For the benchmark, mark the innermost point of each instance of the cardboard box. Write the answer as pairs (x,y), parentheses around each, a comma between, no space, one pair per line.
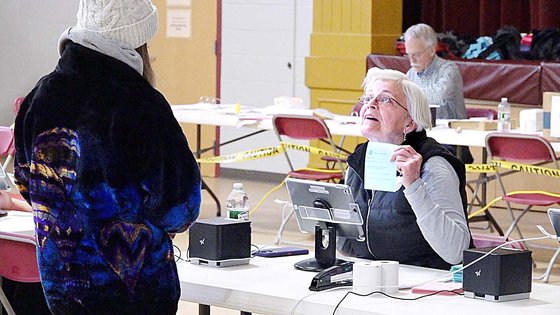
(551,116)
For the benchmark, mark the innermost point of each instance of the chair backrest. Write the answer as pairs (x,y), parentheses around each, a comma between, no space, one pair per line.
(17,104)
(490,240)
(488,113)
(522,148)
(6,141)
(303,128)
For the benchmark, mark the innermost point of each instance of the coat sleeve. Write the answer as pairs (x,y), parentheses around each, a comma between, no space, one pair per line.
(173,182)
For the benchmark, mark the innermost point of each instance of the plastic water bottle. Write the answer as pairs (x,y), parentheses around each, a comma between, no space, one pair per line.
(504,114)
(237,203)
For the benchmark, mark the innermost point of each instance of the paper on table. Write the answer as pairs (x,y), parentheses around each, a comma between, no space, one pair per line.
(380,171)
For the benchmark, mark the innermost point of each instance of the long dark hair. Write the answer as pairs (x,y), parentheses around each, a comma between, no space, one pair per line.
(148,72)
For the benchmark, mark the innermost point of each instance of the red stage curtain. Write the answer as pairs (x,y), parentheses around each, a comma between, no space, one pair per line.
(484,17)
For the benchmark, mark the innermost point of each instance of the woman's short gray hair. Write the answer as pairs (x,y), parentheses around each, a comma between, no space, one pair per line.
(422,31)
(418,107)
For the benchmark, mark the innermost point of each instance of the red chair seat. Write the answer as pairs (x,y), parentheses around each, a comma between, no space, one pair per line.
(19,260)
(314,175)
(532,199)
(490,240)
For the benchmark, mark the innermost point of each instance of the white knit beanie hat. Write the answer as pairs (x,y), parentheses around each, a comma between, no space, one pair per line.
(133,22)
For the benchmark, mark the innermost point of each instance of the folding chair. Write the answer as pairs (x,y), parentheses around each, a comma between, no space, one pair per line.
(18,259)
(525,149)
(17,104)
(7,147)
(307,128)
(487,113)
(331,161)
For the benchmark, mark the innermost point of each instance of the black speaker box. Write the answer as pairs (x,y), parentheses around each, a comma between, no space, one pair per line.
(220,242)
(504,275)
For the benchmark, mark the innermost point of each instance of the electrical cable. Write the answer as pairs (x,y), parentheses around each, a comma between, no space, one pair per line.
(178,257)
(253,252)
(392,296)
(284,181)
(292,311)
(444,277)
(267,194)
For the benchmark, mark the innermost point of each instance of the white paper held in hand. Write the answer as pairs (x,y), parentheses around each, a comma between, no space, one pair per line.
(380,173)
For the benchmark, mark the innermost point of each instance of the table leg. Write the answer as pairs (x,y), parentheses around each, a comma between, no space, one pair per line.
(204,185)
(203,309)
(487,216)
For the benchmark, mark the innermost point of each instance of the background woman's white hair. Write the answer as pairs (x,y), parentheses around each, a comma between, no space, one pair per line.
(422,31)
(416,100)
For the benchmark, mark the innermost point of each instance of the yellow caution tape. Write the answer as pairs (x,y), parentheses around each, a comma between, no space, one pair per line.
(313,150)
(486,168)
(268,152)
(243,155)
(546,171)
(480,168)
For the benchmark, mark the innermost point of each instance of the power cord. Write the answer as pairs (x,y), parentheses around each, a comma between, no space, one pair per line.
(479,211)
(392,296)
(267,194)
(444,277)
(278,237)
(179,256)
(447,275)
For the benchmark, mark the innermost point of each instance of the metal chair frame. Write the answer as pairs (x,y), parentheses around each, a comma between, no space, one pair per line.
(306,128)
(526,149)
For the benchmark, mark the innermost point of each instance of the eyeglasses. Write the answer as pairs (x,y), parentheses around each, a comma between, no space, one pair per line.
(418,53)
(380,99)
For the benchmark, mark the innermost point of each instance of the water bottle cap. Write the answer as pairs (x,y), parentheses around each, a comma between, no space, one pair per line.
(504,99)
(238,185)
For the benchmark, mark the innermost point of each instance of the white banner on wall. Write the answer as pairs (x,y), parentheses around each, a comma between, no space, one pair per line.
(179,3)
(179,23)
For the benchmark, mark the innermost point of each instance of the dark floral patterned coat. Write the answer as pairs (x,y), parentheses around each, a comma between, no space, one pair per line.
(108,173)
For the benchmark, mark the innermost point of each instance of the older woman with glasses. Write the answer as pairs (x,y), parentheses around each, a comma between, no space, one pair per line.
(424,221)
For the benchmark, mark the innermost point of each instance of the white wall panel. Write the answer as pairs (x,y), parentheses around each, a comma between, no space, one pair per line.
(260,38)
(29,32)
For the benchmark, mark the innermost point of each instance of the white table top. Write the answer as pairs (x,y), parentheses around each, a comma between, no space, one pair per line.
(18,222)
(209,114)
(273,286)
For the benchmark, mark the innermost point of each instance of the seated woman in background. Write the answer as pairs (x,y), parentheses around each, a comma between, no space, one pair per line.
(424,222)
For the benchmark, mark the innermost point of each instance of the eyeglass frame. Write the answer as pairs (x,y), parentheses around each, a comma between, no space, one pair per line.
(387,100)
(418,53)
